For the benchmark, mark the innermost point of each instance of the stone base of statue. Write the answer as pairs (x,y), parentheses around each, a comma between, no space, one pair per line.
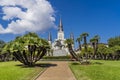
(60,52)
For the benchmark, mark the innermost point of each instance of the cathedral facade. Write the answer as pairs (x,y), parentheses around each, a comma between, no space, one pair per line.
(58,45)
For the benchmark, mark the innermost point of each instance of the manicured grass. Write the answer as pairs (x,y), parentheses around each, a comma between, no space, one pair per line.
(98,70)
(16,71)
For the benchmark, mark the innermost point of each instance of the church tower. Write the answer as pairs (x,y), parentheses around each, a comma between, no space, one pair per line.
(58,46)
(60,35)
(49,53)
(72,37)
(49,38)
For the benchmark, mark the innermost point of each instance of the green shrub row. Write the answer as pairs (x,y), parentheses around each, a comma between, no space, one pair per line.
(56,57)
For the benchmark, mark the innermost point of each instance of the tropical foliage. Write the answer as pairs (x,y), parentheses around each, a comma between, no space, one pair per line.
(3,56)
(69,43)
(114,41)
(28,49)
(84,37)
(2,43)
(94,41)
(79,39)
(96,50)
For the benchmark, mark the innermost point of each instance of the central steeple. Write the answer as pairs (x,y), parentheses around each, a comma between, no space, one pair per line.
(60,27)
(58,46)
(60,31)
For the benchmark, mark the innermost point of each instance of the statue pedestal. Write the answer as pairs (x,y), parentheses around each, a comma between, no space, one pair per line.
(59,52)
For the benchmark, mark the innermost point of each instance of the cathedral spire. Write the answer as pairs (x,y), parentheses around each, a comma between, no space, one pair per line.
(49,36)
(60,27)
(71,36)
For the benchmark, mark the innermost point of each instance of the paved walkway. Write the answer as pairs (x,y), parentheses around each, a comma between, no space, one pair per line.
(59,71)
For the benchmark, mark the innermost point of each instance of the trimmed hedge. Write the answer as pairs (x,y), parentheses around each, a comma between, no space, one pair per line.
(56,57)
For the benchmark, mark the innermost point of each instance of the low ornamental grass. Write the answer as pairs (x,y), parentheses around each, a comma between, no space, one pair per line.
(16,71)
(98,70)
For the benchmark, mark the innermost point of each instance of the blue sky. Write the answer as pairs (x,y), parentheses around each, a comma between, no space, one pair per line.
(100,17)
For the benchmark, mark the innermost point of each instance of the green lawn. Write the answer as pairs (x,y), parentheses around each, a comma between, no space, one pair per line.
(98,70)
(14,71)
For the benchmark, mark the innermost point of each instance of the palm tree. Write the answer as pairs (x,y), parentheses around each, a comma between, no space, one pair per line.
(79,39)
(95,41)
(69,43)
(92,41)
(102,50)
(97,37)
(84,37)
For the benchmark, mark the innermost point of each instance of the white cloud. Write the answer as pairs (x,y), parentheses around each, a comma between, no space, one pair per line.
(31,15)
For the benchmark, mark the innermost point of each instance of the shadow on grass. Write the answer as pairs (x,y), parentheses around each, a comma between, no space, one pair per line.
(43,65)
(75,63)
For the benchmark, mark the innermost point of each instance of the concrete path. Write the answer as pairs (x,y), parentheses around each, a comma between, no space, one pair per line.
(60,71)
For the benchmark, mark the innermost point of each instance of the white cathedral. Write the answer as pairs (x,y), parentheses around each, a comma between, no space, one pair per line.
(58,46)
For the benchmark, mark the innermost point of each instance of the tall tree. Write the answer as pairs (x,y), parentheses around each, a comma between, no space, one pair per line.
(79,39)
(69,43)
(94,41)
(84,37)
